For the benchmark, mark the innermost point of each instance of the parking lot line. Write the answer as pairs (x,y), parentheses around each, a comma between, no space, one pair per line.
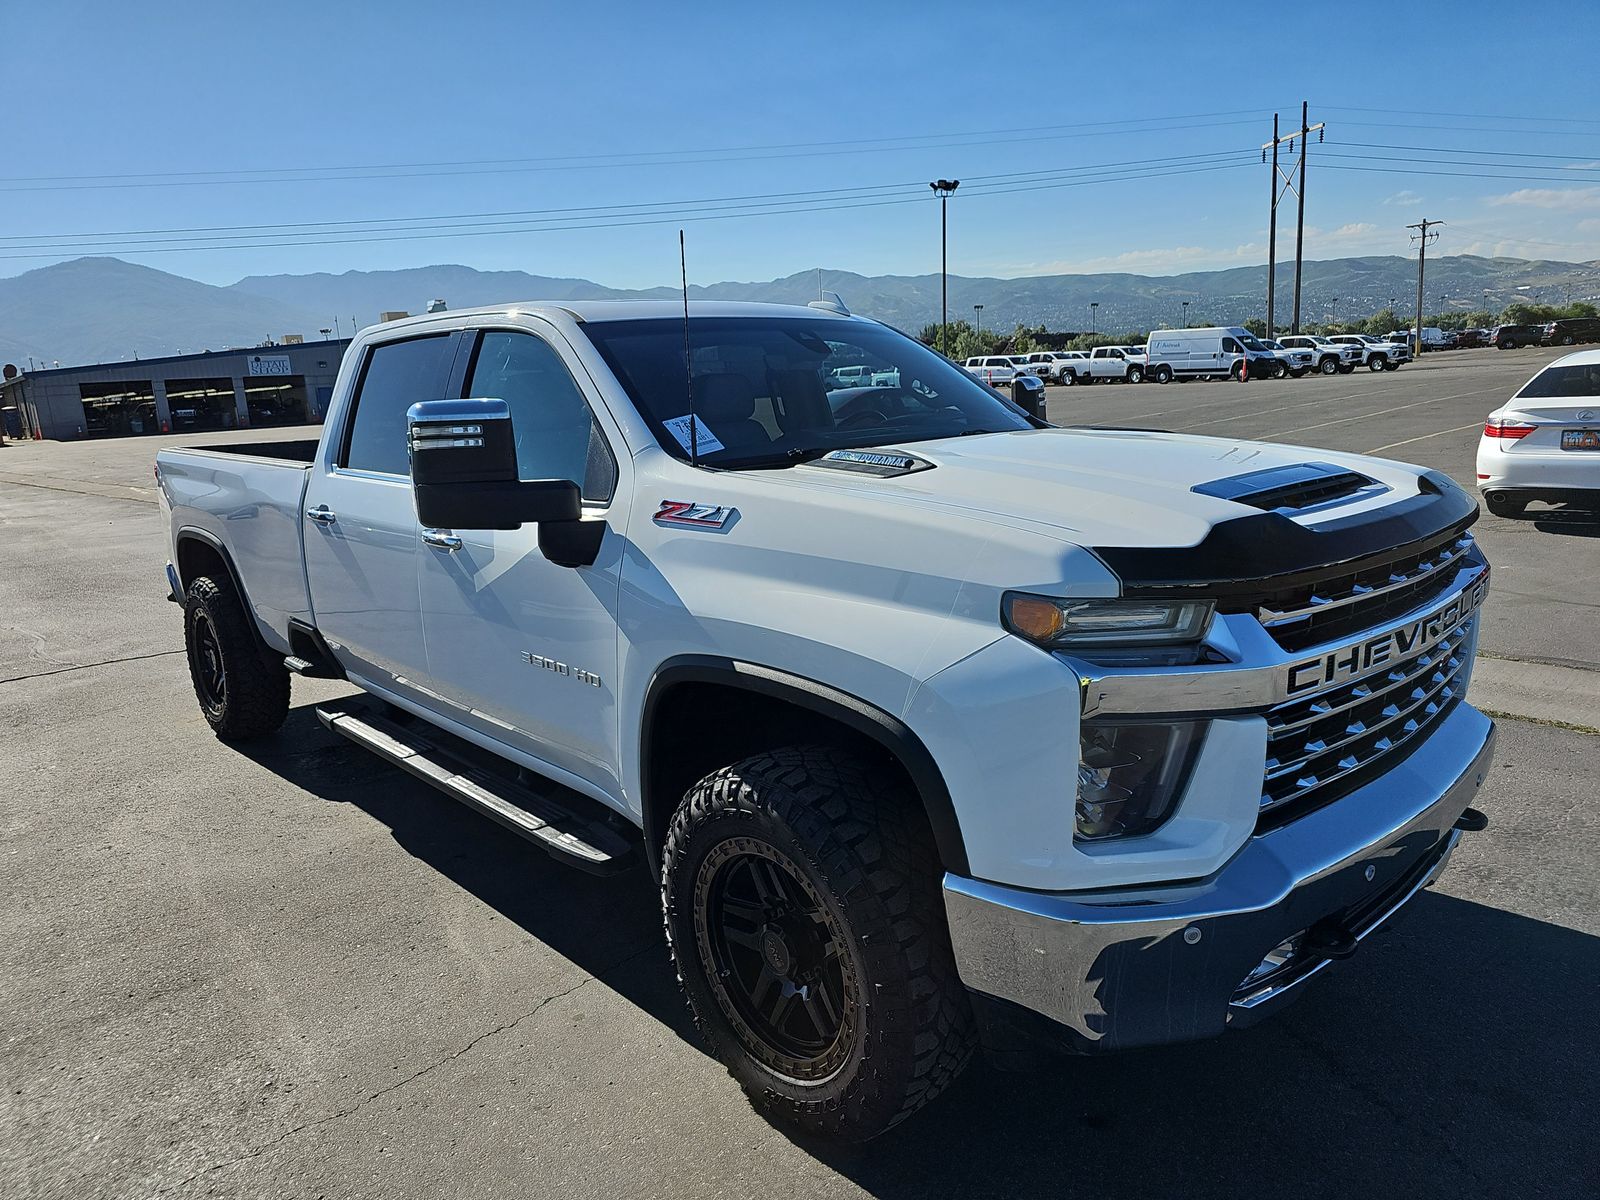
(1424,437)
(1380,412)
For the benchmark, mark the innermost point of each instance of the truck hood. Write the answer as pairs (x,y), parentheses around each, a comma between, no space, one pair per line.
(1103,487)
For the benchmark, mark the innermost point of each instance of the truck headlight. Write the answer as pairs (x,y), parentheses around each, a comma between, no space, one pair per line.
(1063,624)
(1130,776)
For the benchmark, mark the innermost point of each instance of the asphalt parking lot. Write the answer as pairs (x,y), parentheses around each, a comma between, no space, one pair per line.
(288,970)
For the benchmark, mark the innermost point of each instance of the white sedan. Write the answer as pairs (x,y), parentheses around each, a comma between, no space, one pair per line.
(1544,443)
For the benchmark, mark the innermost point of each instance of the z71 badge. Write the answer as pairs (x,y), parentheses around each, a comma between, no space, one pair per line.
(700,516)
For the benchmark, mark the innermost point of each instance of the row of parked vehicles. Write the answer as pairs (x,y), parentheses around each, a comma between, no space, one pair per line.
(1218,352)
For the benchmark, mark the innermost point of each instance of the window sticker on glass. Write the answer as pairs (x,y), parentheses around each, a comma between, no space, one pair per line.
(707,441)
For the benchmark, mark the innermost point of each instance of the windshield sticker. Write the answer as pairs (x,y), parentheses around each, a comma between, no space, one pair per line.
(707,442)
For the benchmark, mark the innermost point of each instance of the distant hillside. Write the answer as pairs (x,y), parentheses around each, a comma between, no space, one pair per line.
(103,309)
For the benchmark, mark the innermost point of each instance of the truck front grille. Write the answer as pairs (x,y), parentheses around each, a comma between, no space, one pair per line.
(1343,604)
(1323,747)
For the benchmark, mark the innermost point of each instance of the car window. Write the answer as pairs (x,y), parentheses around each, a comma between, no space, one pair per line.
(1579,380)
(557,436)
(1229,346)
(396,376)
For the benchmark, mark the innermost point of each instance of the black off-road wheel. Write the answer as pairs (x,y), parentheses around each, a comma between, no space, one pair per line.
(243,694)
(801,896)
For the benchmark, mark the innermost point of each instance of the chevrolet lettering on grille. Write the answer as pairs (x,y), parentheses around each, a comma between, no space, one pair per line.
(1349,662)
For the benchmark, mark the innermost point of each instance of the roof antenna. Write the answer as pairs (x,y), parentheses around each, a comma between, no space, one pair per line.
(688,355)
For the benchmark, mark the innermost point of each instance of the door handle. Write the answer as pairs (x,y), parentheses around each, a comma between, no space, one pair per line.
(440,540)
(322,514)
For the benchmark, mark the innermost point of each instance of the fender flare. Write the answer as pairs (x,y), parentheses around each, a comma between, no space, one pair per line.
(193,533)
(855,714)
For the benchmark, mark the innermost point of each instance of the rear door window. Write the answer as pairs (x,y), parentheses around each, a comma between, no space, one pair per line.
(395,376)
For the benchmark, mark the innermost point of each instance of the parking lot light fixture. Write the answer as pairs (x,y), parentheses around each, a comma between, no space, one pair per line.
(944,189)
(1094,316)
(978,308)
(1186,314)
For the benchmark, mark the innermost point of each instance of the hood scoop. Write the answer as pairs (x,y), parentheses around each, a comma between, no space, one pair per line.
(1295,488)
(885,464)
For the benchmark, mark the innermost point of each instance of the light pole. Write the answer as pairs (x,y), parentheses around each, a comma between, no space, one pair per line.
(1186,315)
(324,332)
(1334,320)
(944,189)
(978,308)
(1094,316)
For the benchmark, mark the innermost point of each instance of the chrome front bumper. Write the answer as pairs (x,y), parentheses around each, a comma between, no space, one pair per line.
(1143,966)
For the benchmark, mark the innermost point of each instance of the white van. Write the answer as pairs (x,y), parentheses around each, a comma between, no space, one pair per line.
(1216,353)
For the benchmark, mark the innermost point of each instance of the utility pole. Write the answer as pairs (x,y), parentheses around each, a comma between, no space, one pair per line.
(1286,179)
(978,308)
(1186,318)
(944,189)
(1423,238)
(1272,231)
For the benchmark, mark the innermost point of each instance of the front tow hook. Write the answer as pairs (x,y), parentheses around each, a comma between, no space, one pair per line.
(1472,821)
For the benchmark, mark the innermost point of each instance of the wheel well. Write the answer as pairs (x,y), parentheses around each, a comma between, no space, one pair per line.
(693,726)
(198,555)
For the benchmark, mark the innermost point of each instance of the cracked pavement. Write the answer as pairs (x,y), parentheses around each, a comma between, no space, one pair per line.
(291,971)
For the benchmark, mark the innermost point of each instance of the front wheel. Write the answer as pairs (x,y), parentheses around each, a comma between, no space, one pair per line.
(802,903)
(243,694)
(1135,375)
(1067,379)
(1509,344)
(1377,363)
(1328,366)
(1163,374)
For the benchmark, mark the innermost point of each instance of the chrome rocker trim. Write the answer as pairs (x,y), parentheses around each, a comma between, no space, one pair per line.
(1143,966)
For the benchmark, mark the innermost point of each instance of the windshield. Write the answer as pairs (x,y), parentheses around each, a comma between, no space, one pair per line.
(775,390)
(1250,342)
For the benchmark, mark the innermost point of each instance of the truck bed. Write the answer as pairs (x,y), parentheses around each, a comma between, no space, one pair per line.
(248,498)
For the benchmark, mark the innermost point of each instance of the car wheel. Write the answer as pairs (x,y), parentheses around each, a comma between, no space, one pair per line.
(801,893)
(1391,366)
(243,694)
(1508,344)
(1163,374)
(1568,340)
(1377,363)
(1346,368)
(1135,375)
(1504,504)
(1067,379)
(1328,366)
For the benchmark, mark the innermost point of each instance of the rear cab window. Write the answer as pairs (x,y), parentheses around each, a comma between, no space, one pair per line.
(394,376)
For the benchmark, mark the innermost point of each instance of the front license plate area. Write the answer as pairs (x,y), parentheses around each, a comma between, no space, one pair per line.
(1580,439)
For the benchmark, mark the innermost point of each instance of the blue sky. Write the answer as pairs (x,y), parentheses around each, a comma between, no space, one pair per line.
(248,115)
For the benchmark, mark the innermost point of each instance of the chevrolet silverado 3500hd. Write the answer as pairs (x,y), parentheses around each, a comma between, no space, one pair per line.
(937,725)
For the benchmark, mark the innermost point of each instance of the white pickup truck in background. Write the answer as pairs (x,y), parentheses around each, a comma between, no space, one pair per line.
(937,726)
(1106,364)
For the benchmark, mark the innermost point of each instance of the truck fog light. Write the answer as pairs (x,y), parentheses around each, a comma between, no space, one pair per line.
(1130,776)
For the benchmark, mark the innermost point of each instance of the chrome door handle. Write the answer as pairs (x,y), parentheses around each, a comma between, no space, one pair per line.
(440,540)
(322,514)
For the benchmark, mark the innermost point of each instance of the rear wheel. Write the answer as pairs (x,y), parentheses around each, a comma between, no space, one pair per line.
(243,694)
(801,895)
(1135,375)
(1328,365)
(1508,344)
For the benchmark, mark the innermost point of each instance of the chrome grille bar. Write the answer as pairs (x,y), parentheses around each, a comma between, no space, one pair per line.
(1330,703)
(1379,719)
(1361,593)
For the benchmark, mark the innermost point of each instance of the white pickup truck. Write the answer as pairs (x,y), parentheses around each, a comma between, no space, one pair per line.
(1111,363)
(937,726)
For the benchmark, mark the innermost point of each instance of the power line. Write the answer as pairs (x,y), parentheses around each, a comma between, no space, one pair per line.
(1569,179)
(663,218)
(1401,112)
(426,171)
(1463,150)
(981,185)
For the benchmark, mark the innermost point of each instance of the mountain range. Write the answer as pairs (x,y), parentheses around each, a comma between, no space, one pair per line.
(105,310)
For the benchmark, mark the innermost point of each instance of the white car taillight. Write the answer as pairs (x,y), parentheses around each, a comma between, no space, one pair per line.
(1509,431)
